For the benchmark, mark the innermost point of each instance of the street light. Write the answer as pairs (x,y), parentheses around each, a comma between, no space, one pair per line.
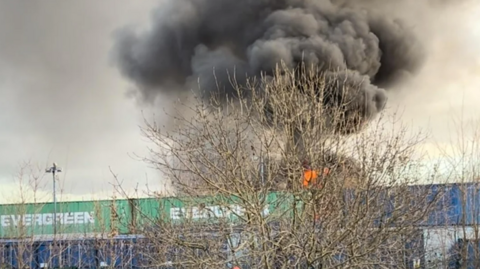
(261,166)
(54,169)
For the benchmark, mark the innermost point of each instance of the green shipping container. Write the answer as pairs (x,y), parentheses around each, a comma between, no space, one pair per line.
(125,216)
(75,218)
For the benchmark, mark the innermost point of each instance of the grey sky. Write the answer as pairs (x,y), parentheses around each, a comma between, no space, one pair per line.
(449,83)
(60,100)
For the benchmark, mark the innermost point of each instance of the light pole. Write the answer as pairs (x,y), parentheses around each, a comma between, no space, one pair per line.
(261,168)
(54,169)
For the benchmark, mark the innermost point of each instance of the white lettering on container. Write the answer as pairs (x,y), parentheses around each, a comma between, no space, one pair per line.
(45,219)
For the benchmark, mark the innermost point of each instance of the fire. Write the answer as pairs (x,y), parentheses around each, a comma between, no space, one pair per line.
(310,176)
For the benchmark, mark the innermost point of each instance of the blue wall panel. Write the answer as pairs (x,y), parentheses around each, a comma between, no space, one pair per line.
(472,207)
(454,204)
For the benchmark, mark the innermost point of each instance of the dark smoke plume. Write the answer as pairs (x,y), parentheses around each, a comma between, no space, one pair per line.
(191,39)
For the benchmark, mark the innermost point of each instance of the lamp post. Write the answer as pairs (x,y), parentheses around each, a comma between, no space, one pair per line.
(54,169)
(261,168)
(262,172)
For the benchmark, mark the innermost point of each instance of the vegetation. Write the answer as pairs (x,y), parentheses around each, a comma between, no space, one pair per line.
(237,171)
(256,143)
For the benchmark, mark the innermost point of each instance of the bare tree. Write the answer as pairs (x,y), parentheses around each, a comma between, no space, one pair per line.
(19,224)
(27,234)
(237,169)
(456,243)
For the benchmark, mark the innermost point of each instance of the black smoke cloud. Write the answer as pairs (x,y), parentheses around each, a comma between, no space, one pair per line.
(191,39)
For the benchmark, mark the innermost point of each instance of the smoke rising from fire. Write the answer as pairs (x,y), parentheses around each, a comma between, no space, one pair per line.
(192,39)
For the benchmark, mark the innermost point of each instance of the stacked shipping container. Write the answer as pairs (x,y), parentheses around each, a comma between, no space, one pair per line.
(82,225)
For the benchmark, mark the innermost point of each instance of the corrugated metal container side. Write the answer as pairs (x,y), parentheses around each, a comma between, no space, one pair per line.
(281,204)
(202,208)
(118,253)
(436,198)
(456,204)
(121,217)
(472,204)
(144,212)
(453,204)
(81,218)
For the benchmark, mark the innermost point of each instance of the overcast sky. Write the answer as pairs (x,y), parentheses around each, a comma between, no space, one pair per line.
(448,87)
(61,100)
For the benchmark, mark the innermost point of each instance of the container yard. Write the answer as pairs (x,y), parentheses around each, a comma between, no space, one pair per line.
(94,234)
